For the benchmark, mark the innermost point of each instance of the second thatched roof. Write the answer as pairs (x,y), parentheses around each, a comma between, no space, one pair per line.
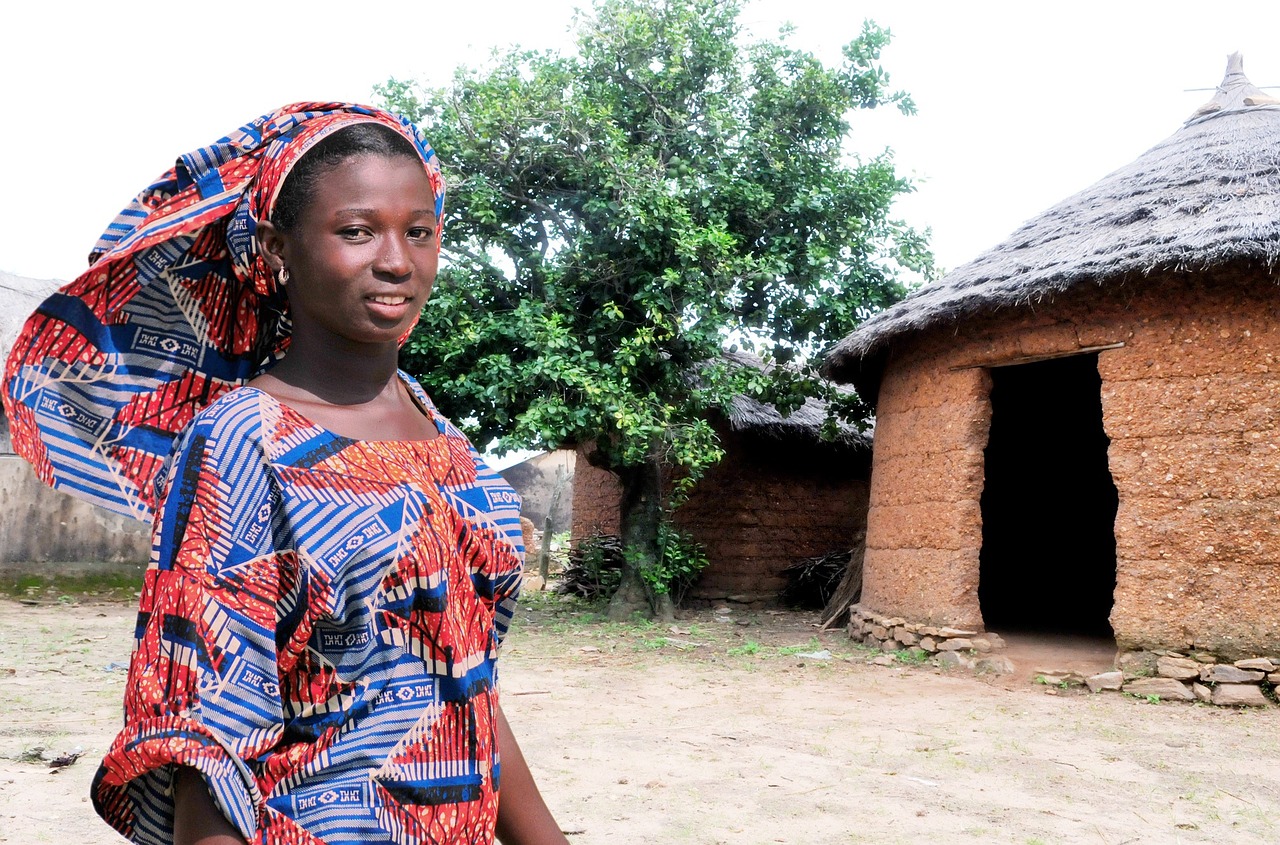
(1207,195)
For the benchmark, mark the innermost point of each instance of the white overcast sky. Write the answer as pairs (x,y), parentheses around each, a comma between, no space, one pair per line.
(1020,103)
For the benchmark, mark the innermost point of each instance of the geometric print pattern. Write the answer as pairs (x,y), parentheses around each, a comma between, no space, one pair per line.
(318,633)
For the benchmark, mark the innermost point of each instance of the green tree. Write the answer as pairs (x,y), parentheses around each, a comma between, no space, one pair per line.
(620,215)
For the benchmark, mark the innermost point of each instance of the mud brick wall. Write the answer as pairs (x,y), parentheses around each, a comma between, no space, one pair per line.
(1190,404)
(757,512)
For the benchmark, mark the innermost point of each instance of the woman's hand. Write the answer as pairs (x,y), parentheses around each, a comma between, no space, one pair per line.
(523,817)
(196,819)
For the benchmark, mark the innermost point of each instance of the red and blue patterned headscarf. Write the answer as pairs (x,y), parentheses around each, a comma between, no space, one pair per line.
(177,307)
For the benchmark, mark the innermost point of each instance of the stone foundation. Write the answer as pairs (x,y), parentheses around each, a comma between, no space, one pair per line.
(1157,674)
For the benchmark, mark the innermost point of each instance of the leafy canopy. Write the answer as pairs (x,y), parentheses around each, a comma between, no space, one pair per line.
(619,215)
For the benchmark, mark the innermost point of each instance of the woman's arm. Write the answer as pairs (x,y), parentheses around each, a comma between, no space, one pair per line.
(196,819)
(523,817)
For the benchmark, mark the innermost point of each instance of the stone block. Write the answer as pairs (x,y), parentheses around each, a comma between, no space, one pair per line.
(1273,678)
(1105,681)
(1136,663)
(1239,695)
(929,644)
(880,632)
(1179,668)
(890,645)
(982,645)
(1166,689)
(1202,693)
(1260,664)
(956,632)
(905,637)
(1221,673)
(993,664)
(954,659)
(956,644)
(997,641)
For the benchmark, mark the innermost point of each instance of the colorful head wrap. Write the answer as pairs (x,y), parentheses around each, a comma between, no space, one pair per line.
(176,308)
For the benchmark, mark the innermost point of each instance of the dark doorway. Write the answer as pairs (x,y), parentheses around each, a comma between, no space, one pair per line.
(1048,559)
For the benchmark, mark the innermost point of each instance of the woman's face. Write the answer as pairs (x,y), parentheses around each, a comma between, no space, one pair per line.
(364,253)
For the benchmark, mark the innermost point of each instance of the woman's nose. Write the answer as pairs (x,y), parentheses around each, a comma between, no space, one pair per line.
(393,257)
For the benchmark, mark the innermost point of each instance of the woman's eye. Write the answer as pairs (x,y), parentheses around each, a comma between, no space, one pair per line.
(422,233)
(352,233)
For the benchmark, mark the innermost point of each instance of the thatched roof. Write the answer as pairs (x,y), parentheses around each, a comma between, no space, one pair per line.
(804,424)
(1208,194)
(19,297)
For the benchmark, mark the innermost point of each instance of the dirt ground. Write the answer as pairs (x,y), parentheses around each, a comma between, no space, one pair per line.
(724,730)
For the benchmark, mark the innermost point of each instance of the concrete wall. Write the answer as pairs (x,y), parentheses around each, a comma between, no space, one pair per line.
(39,525)
(760,510)
(1190,404)
(536,480)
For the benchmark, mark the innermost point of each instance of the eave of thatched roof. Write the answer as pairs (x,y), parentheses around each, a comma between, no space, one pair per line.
(1207,195)
(803,425)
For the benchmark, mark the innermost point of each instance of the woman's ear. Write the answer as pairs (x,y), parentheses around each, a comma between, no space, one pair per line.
(271,241)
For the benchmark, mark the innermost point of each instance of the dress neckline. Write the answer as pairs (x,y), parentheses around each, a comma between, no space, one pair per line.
(427,410)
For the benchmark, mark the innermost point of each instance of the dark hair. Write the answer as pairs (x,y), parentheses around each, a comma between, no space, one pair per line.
(358,139)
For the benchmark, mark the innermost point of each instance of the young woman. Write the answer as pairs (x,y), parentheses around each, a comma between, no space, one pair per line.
(333,566)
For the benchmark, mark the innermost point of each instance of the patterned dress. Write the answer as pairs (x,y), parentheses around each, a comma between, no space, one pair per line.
(317,635)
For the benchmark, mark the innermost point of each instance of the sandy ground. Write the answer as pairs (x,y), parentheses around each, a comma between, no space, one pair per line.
(720,731)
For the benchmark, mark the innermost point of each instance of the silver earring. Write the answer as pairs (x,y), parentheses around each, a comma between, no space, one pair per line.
(283,276)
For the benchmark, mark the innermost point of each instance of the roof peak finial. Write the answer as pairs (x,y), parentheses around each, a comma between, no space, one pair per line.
(1235,93)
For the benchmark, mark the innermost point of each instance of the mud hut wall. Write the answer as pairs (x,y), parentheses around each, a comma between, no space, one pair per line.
(924,529)
(596,497)
(1189,404)
(767,506)
(760,510)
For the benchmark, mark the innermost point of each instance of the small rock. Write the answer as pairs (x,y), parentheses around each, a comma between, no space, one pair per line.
(1239,695)
(956,632)
(589,649)
(1167,689)
(912,627)
(982,645)
(883,660)
(1050,690)
(997,641)
(1221,673)
(956,644)
(889,645)
(994,664)
(952,658)
(816,655)
(870,641)
(1261,664)
(1203,657)
(929,644)
(724,608)
(880,632)
(1273,678)
(1202,693)
(1051,680)
(928,631)
(739,599)
(1105,681)
(894,622)
(1179,668)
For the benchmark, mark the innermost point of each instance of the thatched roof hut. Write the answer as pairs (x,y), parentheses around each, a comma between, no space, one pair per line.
(1207,195)
(1077,429)
(781,494)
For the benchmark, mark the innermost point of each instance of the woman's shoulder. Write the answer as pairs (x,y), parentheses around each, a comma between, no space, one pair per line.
(236,415)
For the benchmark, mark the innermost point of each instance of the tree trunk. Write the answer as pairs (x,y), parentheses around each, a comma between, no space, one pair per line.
(641,515)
